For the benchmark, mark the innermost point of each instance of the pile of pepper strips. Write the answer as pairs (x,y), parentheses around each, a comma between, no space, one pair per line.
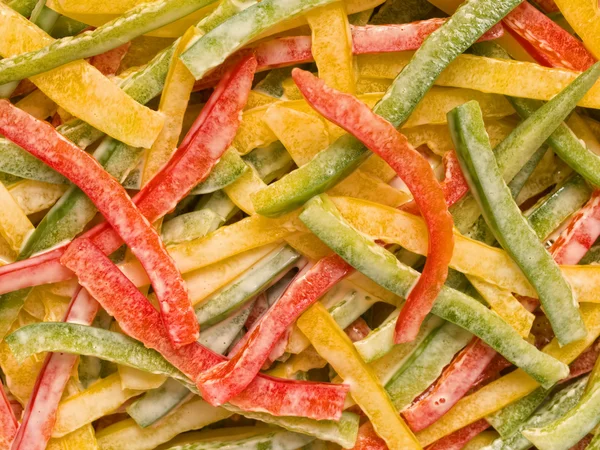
(245,253)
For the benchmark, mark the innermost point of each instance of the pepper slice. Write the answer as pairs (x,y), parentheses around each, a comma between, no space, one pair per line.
(333,345)
(584,17)
(116,206)
(139,319)
(228,379)
(460,438)
(382,138)
(8,421)
(213,130)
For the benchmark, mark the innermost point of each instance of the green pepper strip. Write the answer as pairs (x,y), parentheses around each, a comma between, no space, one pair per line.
(508,224)
(208,51)
(135,22)
(323,219)
(330,166)
(15,161)
(229,168)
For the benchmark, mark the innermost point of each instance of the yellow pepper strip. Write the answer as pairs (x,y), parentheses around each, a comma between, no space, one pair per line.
(37,301)
(505,304)
(511,387)
(333,345)
(594,126)
(584,129)
(33,196)
(367,85)
(308,245)
(248,233)
(241,190)
(303,362)
(20,378)
(492,265)
(290,90)
(204,282)
(256,99)
(14,224)
(82,439)
(365,186)
(173,103)
(100,399)
(127,435)
(498,76)
(37,104)
(80,88)
(584,17)
(332,46)
(93,7)
(482,440)
(254,132)
(7,254)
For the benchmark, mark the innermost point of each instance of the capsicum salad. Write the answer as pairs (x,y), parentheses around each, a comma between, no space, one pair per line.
(299,224)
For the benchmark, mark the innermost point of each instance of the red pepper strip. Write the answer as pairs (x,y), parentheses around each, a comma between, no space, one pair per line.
(357,330)
(556,45)
(581,233)
(25,87)
(584,362)
(227,380)
(45,143)
(460,438)
(498,364)
(454,185)
(382,138)
(138,318)
(40,412)
(108,63)
(212,133)
(582,444)
(368,439)
(292,50)
(453,384)
(8,421)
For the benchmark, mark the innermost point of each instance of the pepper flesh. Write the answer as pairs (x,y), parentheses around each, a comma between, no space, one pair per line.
(138,318)
(209,137)
(228,379)
(116,206)
(382,138)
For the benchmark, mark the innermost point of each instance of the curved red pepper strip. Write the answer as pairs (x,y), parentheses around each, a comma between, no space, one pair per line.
(460,438)
(39,416)
(108,62)
(454,185)
(212,133)
(382,138)
(42,141)
(581,233)
(228,379)
(555,45)
(292,50)
(138,318)
(8,421)
(368,439)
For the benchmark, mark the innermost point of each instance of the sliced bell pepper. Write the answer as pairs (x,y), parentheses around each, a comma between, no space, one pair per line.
(455,381)
(228,379)
(334,346)
(584,17)
(14,224)
(368,439)
(580,234)
(210,50)
(8,421)
(229,168)
(138,318)
(509,388)
(556,45)
(163,193)
(510,227)
(97,101)
(173,103)
(192,415)
(414,170)
(83,408)
(458,439)
(409,88)
(499,76)
(145,243)
(332,46)
(324,220)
